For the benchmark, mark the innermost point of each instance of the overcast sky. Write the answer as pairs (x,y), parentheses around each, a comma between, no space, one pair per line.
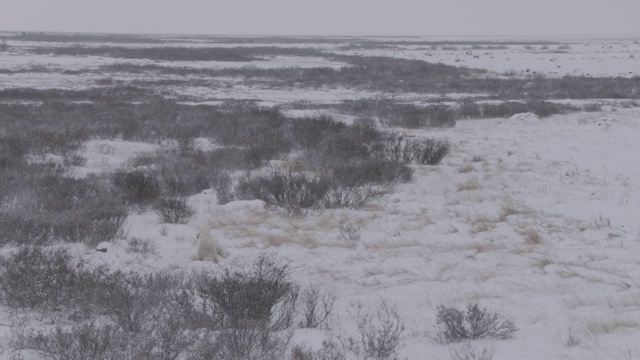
(327,17)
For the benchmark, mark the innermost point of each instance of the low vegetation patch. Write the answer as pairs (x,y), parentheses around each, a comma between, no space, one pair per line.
(476,322)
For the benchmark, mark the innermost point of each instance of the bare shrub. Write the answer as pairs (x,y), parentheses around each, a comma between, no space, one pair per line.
(22,227)
(351,145)
(53,207)
(164,339)
(249,342)
(330,350)
(431,151)
(380,331)
(468,351)
(350,233)
(80,342)
(371,172)
(39,279)
(260,294)
(173,210)
(141,246)
(402,114)
(396,148)
(138,187)
(352,197)
(315,307)
(452,323)
(91,225)
(189,172)
(131,299)
(456,325)
(285,189)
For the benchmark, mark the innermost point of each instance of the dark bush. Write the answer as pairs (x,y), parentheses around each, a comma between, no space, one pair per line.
(396,148)
(54,207)
(165,340)
(137,187)
(39,279)
(309,132)
(452,322)
(352,197)
(173,210)
(509,108)
(315,307)
(133,300)
(353,142)
(286,189)
(249,342)
(260,295)
(80,342)
(23,227)
(456,325)
(96,223)
(369,172)
(189,173)
(380,331)
(431,151)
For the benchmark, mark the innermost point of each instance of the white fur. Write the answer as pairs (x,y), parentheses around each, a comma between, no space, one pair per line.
(208,249)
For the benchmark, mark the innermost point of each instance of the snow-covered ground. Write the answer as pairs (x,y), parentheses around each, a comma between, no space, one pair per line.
(588,58)
(536,219)
(15,61)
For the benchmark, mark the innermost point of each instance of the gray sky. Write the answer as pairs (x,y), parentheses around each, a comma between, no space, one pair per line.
(328,17)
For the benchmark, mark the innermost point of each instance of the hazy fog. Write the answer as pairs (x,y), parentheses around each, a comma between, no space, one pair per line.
(328,17)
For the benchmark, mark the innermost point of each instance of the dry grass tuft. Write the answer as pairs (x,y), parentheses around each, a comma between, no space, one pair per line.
(481,223)
(466,168)
(531,236)
(543,263)
(510,208)
(610,325)
(469,185)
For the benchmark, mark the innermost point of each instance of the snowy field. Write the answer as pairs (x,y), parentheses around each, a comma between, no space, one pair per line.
(534,218)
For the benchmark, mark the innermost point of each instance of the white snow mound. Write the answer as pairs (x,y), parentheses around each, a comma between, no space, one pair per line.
(525,118)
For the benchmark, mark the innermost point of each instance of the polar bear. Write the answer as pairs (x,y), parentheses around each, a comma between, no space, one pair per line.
(208,249)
